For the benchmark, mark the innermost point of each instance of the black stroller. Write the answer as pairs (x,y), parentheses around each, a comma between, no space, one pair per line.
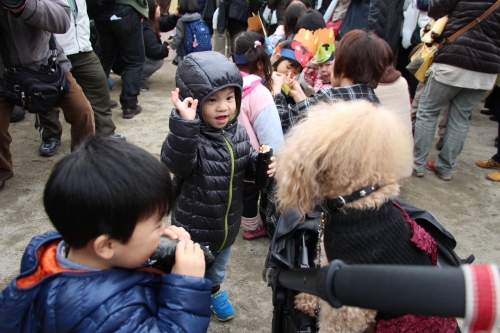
(290,264)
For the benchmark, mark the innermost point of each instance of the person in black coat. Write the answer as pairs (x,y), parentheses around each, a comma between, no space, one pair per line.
(210,156)
(155,49)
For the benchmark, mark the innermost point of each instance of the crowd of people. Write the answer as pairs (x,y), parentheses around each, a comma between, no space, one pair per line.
(324,89)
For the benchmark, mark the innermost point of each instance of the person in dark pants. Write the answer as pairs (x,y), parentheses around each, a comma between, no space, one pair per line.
(493,104)
(87,71)
(120,29)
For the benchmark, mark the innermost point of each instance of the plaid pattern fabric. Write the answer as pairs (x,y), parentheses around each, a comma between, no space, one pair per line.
(291,114)
(314,79)
(267,209)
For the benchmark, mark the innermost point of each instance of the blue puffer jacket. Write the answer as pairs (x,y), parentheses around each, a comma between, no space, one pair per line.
(113,300)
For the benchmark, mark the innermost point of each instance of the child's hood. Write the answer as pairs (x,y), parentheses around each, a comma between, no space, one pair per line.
(201,74)
(190,17)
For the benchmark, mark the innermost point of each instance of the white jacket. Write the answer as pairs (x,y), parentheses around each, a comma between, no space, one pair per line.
(77,38)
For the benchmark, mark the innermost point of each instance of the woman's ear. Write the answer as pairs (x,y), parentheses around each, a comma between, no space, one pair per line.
(105,247)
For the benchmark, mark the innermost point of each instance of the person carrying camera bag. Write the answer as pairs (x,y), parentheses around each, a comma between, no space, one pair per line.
(26,27)
(462,71)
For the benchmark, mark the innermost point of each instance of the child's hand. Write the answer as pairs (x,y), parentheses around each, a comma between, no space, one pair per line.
(272,167)
(177,233)
(189,259)
(278,80)
(296,92)
(187,107)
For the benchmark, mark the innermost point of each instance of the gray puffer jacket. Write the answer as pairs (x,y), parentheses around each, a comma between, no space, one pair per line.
(477,49)
(209,165)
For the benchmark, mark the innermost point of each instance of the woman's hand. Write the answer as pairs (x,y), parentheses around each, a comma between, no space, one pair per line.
(278,80)
(187,107)
(272,167)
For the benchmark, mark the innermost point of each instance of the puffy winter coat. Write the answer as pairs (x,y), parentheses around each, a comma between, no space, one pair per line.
(384,17)
(209,165)
(47,298)
(477,49)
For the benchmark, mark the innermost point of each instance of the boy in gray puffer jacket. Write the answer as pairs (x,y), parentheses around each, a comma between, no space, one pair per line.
(210,157)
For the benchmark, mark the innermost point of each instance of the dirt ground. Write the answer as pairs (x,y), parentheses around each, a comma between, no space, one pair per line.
(467,205)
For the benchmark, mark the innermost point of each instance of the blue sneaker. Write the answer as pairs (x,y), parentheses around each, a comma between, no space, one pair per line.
(220,306)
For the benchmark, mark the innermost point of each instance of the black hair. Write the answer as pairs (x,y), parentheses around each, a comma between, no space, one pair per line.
(244,43)
(152,5)
(308,3)
(312,20)
(361,56)
(106,186)
(293,63)
(292,15)
(188,7)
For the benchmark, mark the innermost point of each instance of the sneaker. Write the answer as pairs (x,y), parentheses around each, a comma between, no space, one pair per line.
(118,137)
(113,104)
(143,87)
(254,234)
(431,165)
(220,306)
(494,176)
(488,164)
(417,174)
(49,147)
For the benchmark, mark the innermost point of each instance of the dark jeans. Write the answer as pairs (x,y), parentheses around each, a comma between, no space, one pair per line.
(493,103)
(124,35)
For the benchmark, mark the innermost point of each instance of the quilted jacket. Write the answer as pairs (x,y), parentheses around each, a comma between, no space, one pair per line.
(478,49)
(209,165)
(113,300)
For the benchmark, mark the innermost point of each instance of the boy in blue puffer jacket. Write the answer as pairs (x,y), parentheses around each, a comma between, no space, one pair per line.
(210,156)
(85,277)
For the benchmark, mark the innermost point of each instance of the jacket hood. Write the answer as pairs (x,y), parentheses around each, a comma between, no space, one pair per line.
(201,74)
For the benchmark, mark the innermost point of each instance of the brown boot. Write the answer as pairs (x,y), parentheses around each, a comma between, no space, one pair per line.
(131,113)
(488,164)
(494,176)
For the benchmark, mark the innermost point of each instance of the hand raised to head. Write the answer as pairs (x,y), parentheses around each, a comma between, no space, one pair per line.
(187,107)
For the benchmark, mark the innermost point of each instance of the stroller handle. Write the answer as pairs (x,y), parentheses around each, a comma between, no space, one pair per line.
(388,288)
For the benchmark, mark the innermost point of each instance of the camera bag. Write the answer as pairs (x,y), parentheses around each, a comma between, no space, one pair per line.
(35,91)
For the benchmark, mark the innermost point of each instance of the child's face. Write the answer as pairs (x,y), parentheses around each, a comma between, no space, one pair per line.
(325,70)
(142,243)
(284,67)
(219,108)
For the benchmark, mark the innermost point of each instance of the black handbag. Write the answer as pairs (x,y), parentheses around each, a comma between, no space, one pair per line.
(35,91)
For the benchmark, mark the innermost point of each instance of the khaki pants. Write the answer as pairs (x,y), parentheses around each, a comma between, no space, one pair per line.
(220,40)
(77,112)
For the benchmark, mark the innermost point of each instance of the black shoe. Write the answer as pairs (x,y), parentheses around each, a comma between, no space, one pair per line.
(2,182)
(487,112)
(118,137)
(113,104)
(439,144)
(131,113)
(143,87)
(49,147)
(175,63)
(494,118)
(18,114)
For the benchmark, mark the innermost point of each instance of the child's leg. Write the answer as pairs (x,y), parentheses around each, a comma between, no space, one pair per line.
(219,304)
(250,219)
